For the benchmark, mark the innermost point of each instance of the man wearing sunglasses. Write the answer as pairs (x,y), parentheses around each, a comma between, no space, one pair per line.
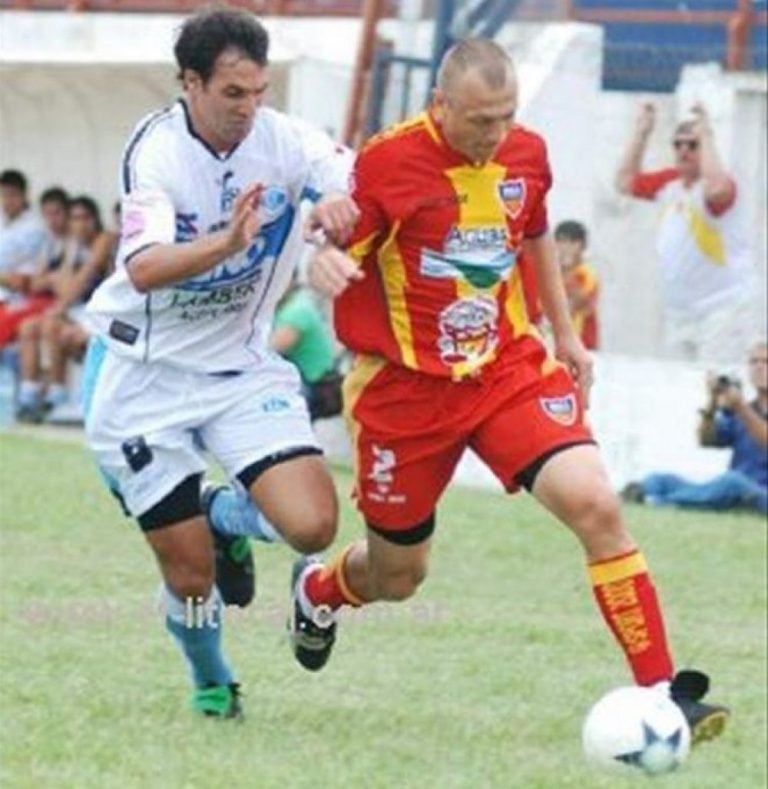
(702,245)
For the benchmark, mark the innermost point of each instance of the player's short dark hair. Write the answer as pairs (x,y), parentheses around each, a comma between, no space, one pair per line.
(55,194)
(15,179)
(571,230)
(90,205)
(204,36)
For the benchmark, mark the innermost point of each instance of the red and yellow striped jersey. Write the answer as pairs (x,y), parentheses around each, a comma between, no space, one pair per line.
(439,240)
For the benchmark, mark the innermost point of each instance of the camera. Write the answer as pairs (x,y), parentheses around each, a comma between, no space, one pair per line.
(724,382)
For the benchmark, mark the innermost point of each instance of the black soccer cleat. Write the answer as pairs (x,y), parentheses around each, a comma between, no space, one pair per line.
(311,637)
(235,571)
(706,721)
(219,701)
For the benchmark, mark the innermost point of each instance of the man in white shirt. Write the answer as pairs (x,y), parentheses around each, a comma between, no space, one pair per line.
(22,236)
(210,237)
(706,265)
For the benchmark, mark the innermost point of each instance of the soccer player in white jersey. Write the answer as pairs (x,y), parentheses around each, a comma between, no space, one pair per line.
(210,190)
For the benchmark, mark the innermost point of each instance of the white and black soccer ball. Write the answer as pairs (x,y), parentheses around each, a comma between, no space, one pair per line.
(636,728)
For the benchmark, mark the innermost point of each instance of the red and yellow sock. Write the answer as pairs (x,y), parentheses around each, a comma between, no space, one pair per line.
(627,599)
(328,584)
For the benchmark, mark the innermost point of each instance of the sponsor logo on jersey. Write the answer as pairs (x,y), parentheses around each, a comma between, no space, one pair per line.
(480,255)
(562,410)
(277,215)
(512,196)
(468,330)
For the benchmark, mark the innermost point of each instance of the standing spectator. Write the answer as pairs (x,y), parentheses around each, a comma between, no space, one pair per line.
(302,335)
(40,286)
(580,280)
(59,329)
(706,264)
(21,236)
(728,421)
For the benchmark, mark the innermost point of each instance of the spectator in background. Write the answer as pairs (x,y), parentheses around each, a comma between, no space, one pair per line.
(580,280)
(302,335)
(59,329)
(39,288)
(22,236)
(706,265)
(727,421)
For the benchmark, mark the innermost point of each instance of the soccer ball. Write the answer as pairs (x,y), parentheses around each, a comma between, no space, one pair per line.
(636,728)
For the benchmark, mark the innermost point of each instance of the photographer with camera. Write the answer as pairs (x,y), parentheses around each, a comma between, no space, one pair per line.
(729,420)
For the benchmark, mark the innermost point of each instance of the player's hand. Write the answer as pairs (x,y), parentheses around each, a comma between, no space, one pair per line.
(245,221)
(646,119)
(701,122)
(335,215)
(331,271)
(571,351)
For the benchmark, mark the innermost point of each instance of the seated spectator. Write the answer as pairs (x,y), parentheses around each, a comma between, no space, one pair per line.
(728,421)
(302,335)
(59,330)
(38,289)
(22,236)
(580,280)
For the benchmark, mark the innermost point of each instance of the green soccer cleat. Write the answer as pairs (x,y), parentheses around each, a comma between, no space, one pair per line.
(219,701)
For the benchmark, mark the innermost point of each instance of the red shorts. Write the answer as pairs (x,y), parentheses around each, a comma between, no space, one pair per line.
(409,429)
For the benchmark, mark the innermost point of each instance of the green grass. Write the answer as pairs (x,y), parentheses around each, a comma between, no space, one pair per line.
(482,681)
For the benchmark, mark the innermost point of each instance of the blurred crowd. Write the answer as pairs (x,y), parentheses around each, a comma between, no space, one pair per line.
(52,257)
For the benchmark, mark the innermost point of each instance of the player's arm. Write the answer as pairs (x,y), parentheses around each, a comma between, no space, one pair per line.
(332,270)
(334,214)
(161,265)
(632,160)
(719,187)
(568,347)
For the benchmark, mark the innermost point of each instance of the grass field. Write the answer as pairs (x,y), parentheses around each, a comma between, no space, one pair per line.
(483,681)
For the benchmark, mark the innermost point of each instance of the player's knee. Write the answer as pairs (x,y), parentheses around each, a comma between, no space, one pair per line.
(596,508)
(316,534)
(191,579)
(400,584)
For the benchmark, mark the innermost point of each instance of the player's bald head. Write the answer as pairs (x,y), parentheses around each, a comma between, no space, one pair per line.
(480,56)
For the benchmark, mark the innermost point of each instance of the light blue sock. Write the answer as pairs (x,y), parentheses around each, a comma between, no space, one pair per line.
(196,626)
(234,513)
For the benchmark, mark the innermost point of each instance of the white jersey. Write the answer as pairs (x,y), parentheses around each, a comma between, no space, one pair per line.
(175,189)
(704,255)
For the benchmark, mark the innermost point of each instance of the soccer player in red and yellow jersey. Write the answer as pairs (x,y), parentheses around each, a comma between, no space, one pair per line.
(429,297)
(579,279)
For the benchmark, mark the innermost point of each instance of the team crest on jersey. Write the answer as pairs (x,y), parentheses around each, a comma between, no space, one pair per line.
(512,196)
(468,330)
(562,410)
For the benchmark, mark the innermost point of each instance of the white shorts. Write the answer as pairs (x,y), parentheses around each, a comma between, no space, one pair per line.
(149,424)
